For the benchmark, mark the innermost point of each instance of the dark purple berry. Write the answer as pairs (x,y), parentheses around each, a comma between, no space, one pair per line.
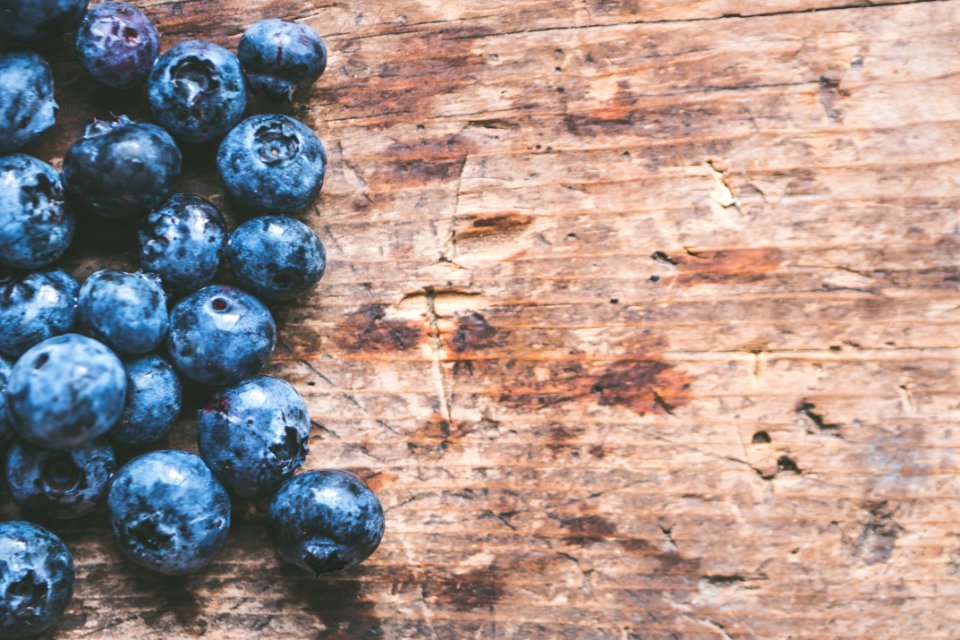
(117,44)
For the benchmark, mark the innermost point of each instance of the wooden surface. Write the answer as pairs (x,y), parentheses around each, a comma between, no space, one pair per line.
(641,318)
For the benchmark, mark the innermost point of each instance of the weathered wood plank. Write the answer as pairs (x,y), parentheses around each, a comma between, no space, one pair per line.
(641,318)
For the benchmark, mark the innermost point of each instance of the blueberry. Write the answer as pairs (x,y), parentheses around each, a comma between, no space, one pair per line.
(153,402)
(169,514)
(125,311)
(36,227)
(196,90)
(34,307)
(27,107)
(276,257)
(34,20)
(272,163)
(183,242)
(220,335)
(254,436)
(5,431)
(65,391)
(325,521)
(121,169)
(59,484)
(36,579)
(117,44)
(280,57)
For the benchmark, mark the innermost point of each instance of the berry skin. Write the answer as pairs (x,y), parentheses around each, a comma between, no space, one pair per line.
(34,20)
(125,311)
(272,163)
(6,433)
(183,242)
(169,514)
(153,402)
(121,169)
(281,57)
(34,307)
(59,484)
(117,44)
(254,436)
(196,91)
(36,583)
(36,226)
(276,257)
(27,107)
(220,335)
(325,521)
(65,391)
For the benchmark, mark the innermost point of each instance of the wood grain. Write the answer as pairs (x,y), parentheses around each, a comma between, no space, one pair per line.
(641,318)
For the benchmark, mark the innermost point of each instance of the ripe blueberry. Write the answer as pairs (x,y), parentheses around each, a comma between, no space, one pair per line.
(168,513)
(125,311)
(220,335)
(6,433)
(34,307)
(325,521)
(34,20)
(280,57)
(36,227)
(276,257)
(182,242)
(254,436)
(196,91)
(153,402)
(27,107)
(65,391)
(59,484)
(272,163)
(121,169)
(117,44)
(36,582)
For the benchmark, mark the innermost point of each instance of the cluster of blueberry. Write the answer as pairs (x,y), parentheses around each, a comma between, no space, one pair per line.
(68,393)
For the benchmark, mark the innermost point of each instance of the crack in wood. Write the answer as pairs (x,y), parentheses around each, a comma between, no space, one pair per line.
(437,352)
(728,16)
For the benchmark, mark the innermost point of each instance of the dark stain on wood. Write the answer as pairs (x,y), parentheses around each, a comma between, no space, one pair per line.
(420,172)
(462,368)
(598,451)
(494,224)
(560,434)
(561,438)
(647,385)
(477,589)
(643,386)
(728,265)
(829,97)
(437,433)
(473,333)
(814,422)
(877,539)
(369,330)
(566,382)
(587,529)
